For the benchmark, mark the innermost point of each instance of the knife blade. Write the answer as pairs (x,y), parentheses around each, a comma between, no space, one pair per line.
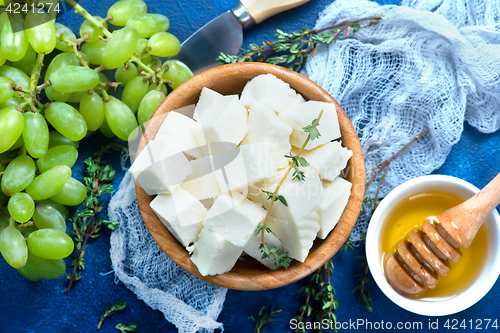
(225,33)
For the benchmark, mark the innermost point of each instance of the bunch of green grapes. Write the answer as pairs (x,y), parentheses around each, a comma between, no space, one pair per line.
(39,140)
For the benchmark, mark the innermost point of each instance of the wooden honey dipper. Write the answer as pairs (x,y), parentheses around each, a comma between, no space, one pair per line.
(417,262)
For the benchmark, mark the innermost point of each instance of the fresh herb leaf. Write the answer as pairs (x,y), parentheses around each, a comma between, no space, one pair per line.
(126,327)
(111,310)
(265,316)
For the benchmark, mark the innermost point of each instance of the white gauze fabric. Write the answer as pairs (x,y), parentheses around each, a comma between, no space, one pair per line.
(413,70)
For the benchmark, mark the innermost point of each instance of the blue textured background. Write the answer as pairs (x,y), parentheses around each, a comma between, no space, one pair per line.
(43,307)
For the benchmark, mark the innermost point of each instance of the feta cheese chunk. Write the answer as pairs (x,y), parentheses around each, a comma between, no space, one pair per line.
(207,97)
(179,127)
(265,126)
(225,120)
(328,159)
(182,208)
(165,208)
(302,196)
(213,254)
(160,166)
(297,238)
(243,165)
(201,183)
(304,114)
(271,91)
(332,205)
(234,217)
(252,248)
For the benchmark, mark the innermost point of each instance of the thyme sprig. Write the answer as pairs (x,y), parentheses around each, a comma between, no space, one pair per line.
(292,49)
(111,310)
(283,259)
(265,316)
(364,295)
(320,304)
(126,327)
(384,166)
(86,223)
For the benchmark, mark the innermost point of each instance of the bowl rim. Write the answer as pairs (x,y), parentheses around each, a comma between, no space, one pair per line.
(264,278)
(445,306)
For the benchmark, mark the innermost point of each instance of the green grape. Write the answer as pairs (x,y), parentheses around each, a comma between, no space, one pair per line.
(35,134)
(154,86)
(73,193)
(37,268)
(58,155)
(57,139)
(13,101)
(41,31)
(17,75)
(177,72)
(56,96)
(66,120)
(61,60)
(18,175)
(60,208)
(13,247)
(6,89)
(11,127)
(47,217)
(141,48)
(49,183)
(3,17)
(124,75)
(120,48)
(93,33)
(134,92)
(92,110)
(50,244)
(149,24)
(66,32)
(105,130)
(3,60)
(26,231)
(21,207)
(120,118)
(14,44)
(94,51)
(149,104)
(164,44)
(124,10)
(27,62)
(19,143)
(74,79)
(76,97)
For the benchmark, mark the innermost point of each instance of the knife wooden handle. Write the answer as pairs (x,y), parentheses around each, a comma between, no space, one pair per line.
(263,9)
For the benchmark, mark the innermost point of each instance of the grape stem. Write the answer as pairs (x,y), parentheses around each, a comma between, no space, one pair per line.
(12,223)
(35,73)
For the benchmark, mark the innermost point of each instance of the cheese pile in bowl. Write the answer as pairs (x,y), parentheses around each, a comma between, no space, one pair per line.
(212,173)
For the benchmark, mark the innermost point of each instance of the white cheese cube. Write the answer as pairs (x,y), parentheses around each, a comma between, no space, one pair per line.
(164,207)
(201,183)
(302,197)
(160,167)
(271,91)
(213,254)
(252,248)
(328,159)
(207,97)
(332,205)
(234,217)
(296,237)
(225,120)
(182,208)
(265,126)
(243,165)
(178,127)
(304,114)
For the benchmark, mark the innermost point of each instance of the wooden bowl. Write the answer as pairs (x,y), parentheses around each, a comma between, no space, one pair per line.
(249,274)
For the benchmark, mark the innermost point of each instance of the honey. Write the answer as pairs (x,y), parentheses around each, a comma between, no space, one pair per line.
(409,215)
